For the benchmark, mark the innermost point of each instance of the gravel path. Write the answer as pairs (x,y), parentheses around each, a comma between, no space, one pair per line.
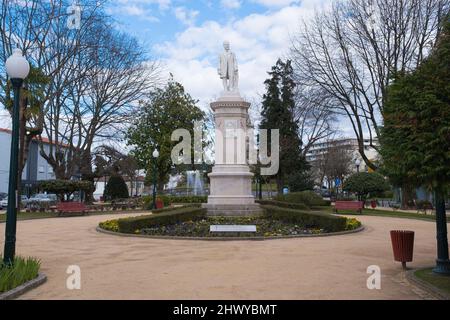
(115,267)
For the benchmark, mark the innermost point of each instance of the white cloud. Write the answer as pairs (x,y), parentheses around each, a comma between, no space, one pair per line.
(162,4)
(134,8)
(186,16)
(276,3)
(257,39)
(231,4)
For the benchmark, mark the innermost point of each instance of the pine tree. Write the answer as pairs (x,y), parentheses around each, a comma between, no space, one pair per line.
(116,188)
(278,113)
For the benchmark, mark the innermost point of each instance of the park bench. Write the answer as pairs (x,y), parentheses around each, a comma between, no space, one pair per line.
(71,209)
(349,205)
(423,206)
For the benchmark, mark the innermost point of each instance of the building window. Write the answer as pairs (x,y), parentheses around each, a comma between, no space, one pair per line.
(41,169)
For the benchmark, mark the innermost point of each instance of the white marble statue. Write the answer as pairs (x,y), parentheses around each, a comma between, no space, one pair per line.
(228,69)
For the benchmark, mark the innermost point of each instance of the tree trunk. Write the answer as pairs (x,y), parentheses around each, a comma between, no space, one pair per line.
(442,262)
(280,184)
(407,196)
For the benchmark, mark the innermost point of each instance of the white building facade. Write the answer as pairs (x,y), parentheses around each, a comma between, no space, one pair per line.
(36,168)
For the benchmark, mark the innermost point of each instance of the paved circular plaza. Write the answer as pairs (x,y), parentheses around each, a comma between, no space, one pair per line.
(114,267)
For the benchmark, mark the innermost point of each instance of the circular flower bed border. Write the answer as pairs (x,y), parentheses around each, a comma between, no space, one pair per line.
(231,238)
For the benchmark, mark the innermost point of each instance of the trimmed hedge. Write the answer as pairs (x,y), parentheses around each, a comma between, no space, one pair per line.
(168,200)
(166,209)
(324,221)
(308,198)
(130,225)
(283,204)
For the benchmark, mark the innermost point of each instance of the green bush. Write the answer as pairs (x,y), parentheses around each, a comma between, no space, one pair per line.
(300,181)
(168,200)
(289,205)
(130,225)
(21,271)
(65,187)
(364,183)
(324,221)
(187,205)
(309,198)
(116,188)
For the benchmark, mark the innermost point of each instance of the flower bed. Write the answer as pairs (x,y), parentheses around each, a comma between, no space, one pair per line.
(193,222)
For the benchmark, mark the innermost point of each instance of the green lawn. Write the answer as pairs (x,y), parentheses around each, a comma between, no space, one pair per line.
(438,281)
(393,214)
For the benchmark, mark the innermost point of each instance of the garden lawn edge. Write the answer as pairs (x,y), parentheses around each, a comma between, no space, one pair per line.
(436,292)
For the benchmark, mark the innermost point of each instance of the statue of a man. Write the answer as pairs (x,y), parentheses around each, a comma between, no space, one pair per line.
(228,69)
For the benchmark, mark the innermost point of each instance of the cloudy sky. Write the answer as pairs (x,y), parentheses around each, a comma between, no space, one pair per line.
(187,37)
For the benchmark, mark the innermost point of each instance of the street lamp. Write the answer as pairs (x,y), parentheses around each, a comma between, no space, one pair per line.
(357,163)
(17,68)
(155,156)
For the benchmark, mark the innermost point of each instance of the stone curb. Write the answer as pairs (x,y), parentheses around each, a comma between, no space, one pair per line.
(27,286)
(230,238)
(438,293)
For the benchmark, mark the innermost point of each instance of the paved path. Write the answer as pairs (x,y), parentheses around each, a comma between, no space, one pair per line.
(115,267)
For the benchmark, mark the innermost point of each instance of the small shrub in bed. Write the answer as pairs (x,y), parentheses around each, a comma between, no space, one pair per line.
(23,270)
(283,204)
(168,200)
(352,224)
(308,198)
(131,225)
(324,221)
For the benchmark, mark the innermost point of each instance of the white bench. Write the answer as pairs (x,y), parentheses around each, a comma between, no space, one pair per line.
(232,228)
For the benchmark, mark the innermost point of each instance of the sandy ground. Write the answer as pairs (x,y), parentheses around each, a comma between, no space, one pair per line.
(115,267)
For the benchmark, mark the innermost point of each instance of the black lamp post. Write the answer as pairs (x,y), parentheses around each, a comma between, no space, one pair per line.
(17,68)
(155,156)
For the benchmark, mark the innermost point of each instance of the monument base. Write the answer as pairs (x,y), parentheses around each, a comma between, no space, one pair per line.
(231,195)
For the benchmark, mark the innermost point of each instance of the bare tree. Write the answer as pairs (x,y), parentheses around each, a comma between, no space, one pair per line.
(334,163)
(41,31)
(112,76)
(315,117)
(352,52)
(109,161)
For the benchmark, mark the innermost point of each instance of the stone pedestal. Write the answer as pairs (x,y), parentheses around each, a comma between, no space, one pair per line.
(231,179)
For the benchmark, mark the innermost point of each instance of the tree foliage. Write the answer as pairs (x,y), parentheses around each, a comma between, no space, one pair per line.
(349,52)
(278,113)
(416,135)
(167,109)
(116,188)
(364,183)
(66,188)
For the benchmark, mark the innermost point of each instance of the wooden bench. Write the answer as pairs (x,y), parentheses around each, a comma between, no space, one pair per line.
(349,205)
(71,209)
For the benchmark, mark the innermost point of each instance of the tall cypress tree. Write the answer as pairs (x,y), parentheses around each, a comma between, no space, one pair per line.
(278,113)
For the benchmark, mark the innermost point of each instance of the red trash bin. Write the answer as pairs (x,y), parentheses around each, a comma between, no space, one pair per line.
(159,204)
(402,245)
